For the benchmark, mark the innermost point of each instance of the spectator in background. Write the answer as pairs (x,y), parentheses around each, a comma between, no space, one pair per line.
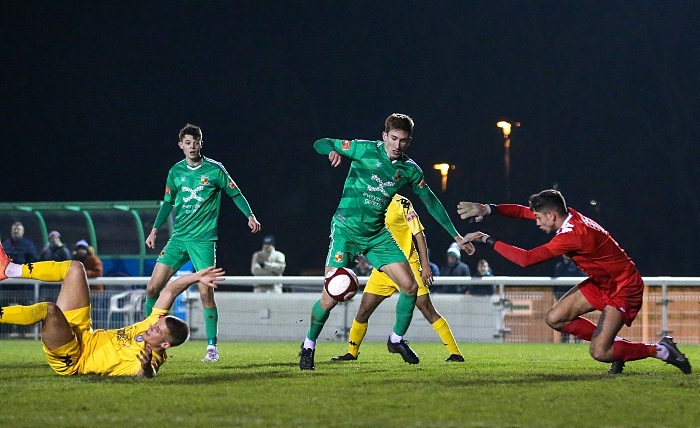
(482,269)
(55,249)
(433,267)
(566,268)
(454,267)
(85,254)
(20,249)
(268,262)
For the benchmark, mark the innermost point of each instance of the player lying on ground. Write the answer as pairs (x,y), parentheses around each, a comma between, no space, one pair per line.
(70,344)
(614,286)
(404,224)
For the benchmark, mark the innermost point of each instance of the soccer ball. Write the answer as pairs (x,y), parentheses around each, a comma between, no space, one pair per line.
(341,284)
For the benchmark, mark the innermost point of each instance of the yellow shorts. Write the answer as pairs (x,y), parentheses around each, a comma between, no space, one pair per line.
(64,360)
(380,284)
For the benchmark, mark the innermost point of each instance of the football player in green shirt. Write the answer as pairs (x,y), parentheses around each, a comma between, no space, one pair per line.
(378,170)
(193,189)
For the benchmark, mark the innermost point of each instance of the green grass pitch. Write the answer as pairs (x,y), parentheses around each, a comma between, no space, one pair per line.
(260,385)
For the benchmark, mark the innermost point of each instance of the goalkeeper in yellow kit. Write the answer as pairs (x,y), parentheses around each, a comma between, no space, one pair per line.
(403,223)
(70,344)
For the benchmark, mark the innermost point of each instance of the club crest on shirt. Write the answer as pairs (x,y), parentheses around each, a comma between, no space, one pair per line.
(167,190)
(139,338)
(338,257)
(204,179)
(346,145)
(398,175)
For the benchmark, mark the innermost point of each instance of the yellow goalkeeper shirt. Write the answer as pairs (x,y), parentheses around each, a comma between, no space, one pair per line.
(115,352)
(403,222)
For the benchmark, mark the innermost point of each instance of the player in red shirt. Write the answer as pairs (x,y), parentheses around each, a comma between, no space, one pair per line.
(614,285)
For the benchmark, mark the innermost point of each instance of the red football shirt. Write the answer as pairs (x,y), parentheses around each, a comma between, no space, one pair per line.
(590,247)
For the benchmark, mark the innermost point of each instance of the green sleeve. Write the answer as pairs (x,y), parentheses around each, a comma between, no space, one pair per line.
(435,208)
(354,149)
(163,213)
(324,146)
(242,204)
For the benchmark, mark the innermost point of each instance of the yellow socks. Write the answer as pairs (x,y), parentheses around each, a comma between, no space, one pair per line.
(357,334)
(46,271)
(23,315)
(443,330)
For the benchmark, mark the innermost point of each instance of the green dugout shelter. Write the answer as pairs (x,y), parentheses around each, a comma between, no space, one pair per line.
(117,230)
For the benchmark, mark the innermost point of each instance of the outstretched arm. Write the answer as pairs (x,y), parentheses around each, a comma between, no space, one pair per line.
(476,211)
(206,276)
(435,208)
(519,256)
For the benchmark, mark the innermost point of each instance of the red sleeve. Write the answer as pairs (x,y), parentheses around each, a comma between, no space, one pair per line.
(515,211)
(560,244)
(521,257)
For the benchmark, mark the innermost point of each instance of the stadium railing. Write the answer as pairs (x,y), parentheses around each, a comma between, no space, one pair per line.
(670,304)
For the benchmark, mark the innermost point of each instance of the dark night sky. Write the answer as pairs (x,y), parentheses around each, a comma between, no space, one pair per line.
(608,94)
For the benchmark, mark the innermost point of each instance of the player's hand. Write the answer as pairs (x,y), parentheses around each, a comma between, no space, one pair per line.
(254,224)
(151,240)
(209,275)
(427,275)
(467,247)
(335,159)
(479,237)
(145,358)
(473,209)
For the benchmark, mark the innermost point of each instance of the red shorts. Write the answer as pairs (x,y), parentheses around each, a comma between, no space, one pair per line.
(626,299)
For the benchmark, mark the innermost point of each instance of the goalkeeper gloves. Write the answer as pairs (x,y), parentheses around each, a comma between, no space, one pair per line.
(474,211)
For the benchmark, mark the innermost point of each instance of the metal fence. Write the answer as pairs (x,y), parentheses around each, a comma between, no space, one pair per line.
(671,304)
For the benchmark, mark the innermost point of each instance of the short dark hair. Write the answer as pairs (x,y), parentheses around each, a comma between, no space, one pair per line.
(192,130)
(179,330)
(399,121)
(549,200)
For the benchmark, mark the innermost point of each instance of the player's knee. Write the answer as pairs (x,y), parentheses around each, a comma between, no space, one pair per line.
(52,310)
(153,289)
(77,267)
(554,320)
(362,315)
(411,288)
(599,353)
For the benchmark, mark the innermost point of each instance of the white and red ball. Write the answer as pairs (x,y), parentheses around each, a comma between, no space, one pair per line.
(341,284)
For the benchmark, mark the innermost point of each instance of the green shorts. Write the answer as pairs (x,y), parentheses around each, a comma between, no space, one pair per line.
(380,249)
(176,253)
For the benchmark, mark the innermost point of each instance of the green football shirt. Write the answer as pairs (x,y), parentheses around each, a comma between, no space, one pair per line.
(195,193)
(372,182)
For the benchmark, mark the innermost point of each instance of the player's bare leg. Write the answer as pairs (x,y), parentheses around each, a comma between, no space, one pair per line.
(609,324)
(402,275)
(56,331)
(160,276)
(368,305)
(75,292)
